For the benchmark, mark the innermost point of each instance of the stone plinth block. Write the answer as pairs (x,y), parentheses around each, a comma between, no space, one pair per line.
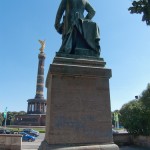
(46,146)
(10,142)
(78,104)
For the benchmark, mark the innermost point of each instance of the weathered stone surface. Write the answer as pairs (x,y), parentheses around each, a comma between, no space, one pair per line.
(10,142)
(78,106)
(46,146)
(99,62)
(123,139)
(142,141)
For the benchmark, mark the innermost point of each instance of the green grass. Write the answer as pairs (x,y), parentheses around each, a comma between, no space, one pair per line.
(41,130)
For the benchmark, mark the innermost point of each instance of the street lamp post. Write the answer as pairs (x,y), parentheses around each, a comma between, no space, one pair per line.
(5,117)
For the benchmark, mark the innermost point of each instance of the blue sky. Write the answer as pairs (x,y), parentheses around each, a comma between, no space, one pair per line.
(124,44)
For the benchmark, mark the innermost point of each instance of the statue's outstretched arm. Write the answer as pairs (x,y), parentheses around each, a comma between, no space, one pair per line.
(90,10)
(59,14)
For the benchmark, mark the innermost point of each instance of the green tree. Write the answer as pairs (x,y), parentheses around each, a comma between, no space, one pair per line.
(112,119)
(145,101)
(145,97)
(135,115)
(131,117)
(21,113)
(1,119)
(141,7)
(11,116)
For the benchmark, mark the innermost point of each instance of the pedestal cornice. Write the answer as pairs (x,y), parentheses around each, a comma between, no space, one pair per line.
(78,67)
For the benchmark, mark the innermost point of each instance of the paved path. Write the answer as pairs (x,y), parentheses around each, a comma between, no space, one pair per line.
(33,145)
(133,148)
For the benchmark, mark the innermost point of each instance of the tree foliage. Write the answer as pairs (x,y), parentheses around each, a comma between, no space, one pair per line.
(130,116)
(10,117)
(135,115)
(1,119)
(145,97)
(141,7)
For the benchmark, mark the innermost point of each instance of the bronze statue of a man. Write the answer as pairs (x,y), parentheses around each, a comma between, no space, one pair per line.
(78,32)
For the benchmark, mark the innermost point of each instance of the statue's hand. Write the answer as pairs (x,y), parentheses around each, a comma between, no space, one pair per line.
(59,28)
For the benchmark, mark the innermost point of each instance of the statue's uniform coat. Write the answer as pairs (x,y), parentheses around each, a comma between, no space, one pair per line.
(73,11)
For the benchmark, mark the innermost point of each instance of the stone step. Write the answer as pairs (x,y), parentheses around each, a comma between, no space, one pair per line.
(30,147)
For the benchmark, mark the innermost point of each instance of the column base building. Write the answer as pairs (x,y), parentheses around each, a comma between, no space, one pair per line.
(36,110)
(36,113)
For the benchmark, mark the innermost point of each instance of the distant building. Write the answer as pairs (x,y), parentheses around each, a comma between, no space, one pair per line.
(36,110)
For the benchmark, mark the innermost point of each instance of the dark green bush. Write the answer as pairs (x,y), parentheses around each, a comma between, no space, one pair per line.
(135,115)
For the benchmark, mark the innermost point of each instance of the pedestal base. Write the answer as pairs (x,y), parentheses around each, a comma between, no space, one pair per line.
(45,146)
(78,113)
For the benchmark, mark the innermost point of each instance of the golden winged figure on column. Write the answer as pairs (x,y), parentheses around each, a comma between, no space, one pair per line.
(42,46)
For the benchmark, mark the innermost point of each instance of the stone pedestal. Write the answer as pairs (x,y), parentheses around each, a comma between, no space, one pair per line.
(78,106)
